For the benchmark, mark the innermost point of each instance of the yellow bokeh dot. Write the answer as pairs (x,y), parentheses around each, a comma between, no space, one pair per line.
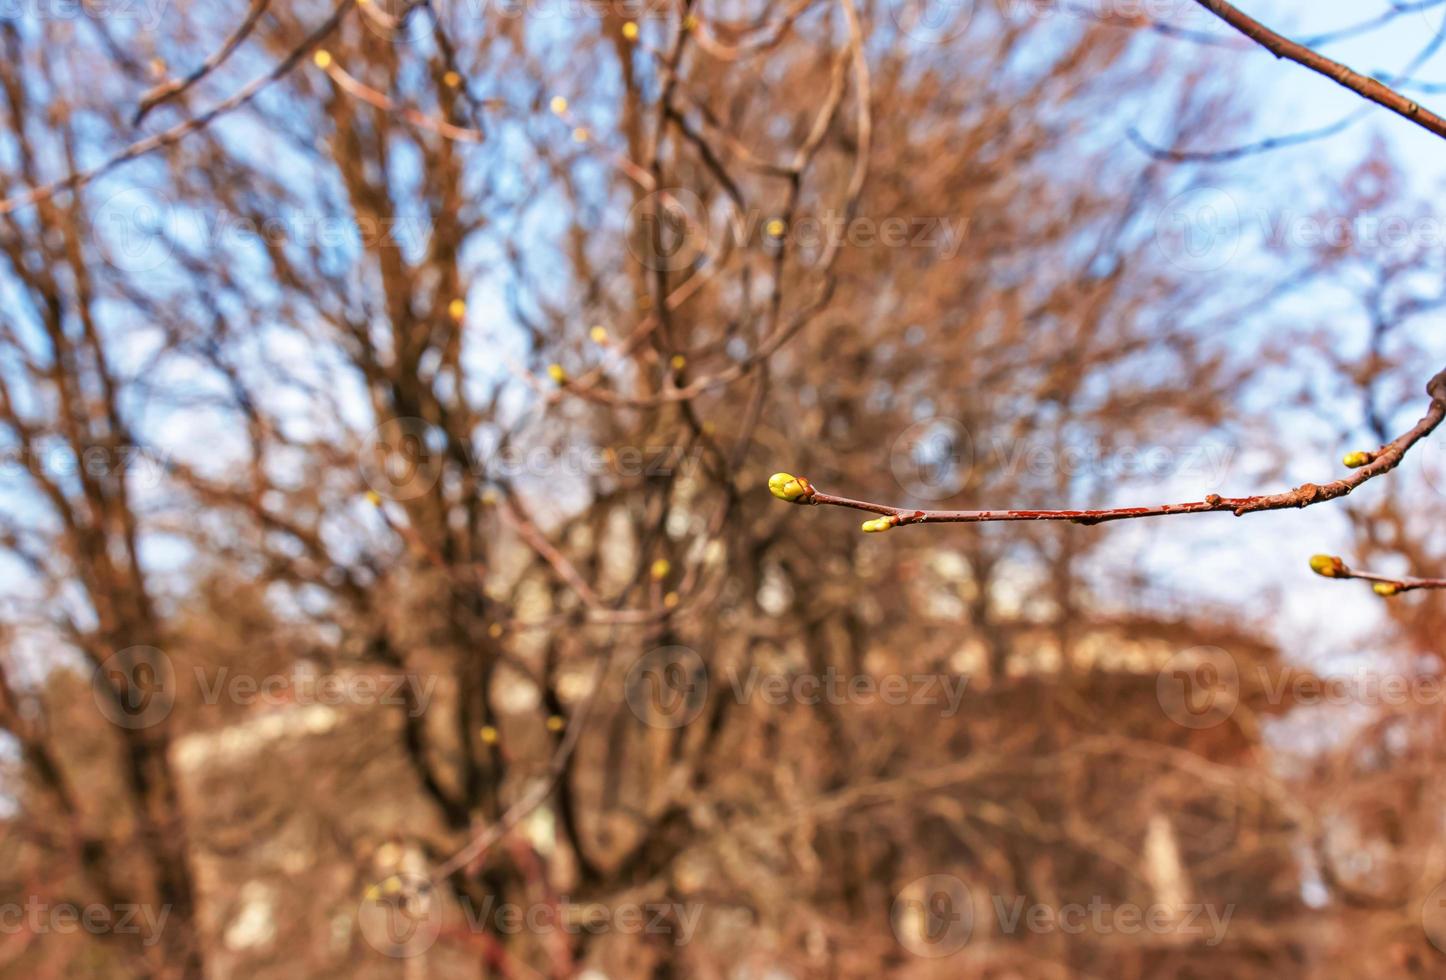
(555,723)
(580,134)
(451,79)
(488,735)
(558,105)
(557,373)
(630,30)
(671,600)
(374,498)
(322,58)
(660,569)
(495,630)
(599,334)
(457,309)
(679,362)
(776,227)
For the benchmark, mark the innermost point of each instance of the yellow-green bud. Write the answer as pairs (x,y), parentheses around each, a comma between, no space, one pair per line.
(1358,459)
(1328,565)
(786,486)
(1386,588)
(877,525)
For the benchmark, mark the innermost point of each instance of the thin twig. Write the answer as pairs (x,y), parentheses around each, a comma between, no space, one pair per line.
(173,89)
(181,130)
(1388,457)
(1330,566)
(1367,88)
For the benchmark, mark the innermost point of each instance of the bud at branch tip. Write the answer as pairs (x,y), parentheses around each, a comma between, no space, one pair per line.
(786,486)
(1329,565)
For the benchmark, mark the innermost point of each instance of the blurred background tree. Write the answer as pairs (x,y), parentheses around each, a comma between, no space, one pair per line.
(449,369)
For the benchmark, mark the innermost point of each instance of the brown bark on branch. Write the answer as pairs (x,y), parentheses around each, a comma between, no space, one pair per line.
(1388,457)
(1366,88)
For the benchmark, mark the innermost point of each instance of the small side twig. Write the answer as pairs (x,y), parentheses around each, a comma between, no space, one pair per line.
(1330,566)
